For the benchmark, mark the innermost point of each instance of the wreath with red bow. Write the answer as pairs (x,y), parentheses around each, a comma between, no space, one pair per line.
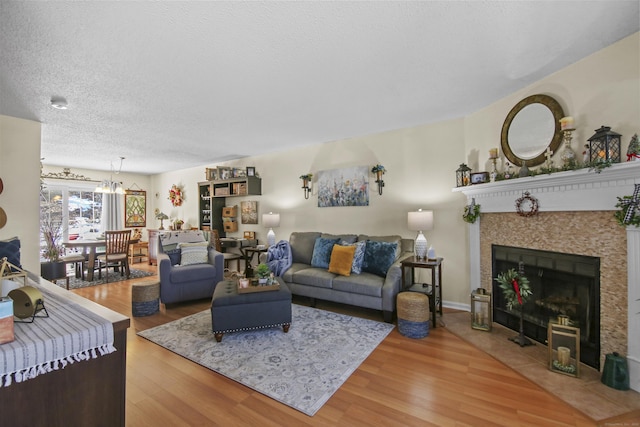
(175,195)
(515,287)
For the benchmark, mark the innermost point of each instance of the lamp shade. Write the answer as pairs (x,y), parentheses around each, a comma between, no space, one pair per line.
(420,220)
(271,220)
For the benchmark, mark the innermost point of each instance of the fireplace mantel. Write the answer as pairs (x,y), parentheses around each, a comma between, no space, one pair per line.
(578,190)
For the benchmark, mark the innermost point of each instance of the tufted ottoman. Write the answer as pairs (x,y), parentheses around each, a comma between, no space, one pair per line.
(413,314)
(232,312)
(145,298)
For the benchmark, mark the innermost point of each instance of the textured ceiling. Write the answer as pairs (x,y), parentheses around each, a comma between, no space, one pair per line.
(172,85)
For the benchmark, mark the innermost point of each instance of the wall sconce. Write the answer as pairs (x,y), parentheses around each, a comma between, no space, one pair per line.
(604,145)
(306,184)
(379,170)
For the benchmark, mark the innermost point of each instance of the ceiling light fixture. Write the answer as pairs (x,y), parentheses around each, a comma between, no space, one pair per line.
(59,103)
(110,186)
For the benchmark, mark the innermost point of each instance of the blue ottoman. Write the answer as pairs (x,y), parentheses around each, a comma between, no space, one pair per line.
(413,314)
(145,298)
(232,312)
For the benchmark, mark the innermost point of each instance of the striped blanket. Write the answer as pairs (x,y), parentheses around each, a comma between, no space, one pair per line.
(70,334)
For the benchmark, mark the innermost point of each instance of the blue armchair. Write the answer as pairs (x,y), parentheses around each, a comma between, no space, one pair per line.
(186,282)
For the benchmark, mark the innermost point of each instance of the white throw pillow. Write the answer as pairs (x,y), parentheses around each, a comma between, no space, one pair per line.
(193,253)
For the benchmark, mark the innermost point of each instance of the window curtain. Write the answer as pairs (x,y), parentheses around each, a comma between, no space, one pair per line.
(112,212)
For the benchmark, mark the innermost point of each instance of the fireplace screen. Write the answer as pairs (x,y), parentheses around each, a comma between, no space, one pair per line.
(562,284)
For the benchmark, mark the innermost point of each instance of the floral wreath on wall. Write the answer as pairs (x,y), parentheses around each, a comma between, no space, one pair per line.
(175,195)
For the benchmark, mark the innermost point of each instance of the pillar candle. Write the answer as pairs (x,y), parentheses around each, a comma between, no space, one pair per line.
(564,355)
(566,123)
(493,153)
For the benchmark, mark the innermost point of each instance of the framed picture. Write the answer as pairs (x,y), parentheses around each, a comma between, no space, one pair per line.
(249,212)
(224,172)
(343,187)
(211,174)
(251,171)
(479,177)
(135,208)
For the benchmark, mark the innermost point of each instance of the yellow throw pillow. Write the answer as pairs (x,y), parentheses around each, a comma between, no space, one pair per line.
(341,259)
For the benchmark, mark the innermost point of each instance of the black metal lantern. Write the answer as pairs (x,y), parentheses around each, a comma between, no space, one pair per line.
(604,145)
(463,175)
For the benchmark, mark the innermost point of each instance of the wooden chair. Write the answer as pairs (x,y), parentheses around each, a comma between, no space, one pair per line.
(116,252)
(228,256)
(77,259)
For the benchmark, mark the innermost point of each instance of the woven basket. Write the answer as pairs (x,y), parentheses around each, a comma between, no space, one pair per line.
(145,298)
(413,314)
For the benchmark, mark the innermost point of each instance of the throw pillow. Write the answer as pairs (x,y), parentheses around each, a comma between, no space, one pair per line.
(10,249)
(193,253)
(358,256)
(341,260)
(378,257)
(322,252)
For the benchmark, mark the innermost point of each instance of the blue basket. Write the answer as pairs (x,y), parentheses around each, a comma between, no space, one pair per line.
(413,329)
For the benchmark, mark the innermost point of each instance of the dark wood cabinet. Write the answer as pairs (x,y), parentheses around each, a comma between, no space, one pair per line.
(213,199)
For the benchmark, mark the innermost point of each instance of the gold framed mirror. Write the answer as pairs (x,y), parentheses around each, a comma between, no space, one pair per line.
(532,126)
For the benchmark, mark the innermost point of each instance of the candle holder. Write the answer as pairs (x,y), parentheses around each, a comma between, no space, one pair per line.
(564,347)
(494,169)
(481,310)
(568,156)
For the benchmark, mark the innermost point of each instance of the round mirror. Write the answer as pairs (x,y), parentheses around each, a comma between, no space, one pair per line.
(530,127)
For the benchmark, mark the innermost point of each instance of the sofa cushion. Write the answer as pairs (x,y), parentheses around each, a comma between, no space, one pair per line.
(193,253)
(322,252)
(358,255)
(390,239)
(10,249)
(378,257)
(362,284)
(318,277)
(192,273)
(302,244)
(349,238)
(341,259)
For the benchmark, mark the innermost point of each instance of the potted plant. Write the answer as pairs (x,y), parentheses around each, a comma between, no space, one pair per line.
(263,272)
(51,229)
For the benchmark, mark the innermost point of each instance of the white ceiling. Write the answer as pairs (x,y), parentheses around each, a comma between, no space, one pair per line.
(172,85)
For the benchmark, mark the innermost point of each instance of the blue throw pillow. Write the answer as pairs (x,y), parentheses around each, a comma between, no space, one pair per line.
(378,257)
(174,256)
(322,252)
(358,256)
(10,249)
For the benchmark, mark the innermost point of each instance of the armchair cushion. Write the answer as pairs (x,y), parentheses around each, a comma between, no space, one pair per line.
(193,253)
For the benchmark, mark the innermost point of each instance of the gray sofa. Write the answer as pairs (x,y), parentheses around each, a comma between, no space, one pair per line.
(376,290)
(186,282)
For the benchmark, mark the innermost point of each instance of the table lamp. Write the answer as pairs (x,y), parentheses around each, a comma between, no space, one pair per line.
(419,221)
(270,221)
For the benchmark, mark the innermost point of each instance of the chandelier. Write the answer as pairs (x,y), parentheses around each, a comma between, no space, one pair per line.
(110,186)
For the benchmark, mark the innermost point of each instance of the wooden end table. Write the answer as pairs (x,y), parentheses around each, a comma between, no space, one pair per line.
(433,290)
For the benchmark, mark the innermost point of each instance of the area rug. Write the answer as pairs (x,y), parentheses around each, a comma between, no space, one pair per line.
(301,368)
(76,282)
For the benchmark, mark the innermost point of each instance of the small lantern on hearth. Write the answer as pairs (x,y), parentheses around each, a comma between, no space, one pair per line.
(463,175)
(481,309)
(564,346)
(604,146)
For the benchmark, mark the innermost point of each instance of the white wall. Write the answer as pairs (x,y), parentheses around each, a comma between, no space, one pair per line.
(20,173)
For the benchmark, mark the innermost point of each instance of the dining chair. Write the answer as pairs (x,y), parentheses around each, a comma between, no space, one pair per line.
(228,256)
(77,259)
(116,252)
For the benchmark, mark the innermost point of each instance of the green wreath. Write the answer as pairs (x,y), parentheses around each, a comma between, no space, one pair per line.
(623,206)
(471,213)
(515,287)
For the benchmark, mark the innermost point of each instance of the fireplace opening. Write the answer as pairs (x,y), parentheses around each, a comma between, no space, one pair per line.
(562,284)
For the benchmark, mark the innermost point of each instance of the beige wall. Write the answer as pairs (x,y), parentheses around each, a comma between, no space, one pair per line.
(20,172)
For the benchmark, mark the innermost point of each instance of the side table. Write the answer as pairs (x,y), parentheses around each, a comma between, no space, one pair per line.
(249,253)
(433,290)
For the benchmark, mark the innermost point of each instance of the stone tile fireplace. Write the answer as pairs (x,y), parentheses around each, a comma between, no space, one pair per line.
(575,217)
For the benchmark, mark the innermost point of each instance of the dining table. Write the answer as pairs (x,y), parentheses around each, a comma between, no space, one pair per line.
(90,249)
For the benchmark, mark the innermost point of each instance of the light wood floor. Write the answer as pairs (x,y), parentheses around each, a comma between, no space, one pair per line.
(440,380)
